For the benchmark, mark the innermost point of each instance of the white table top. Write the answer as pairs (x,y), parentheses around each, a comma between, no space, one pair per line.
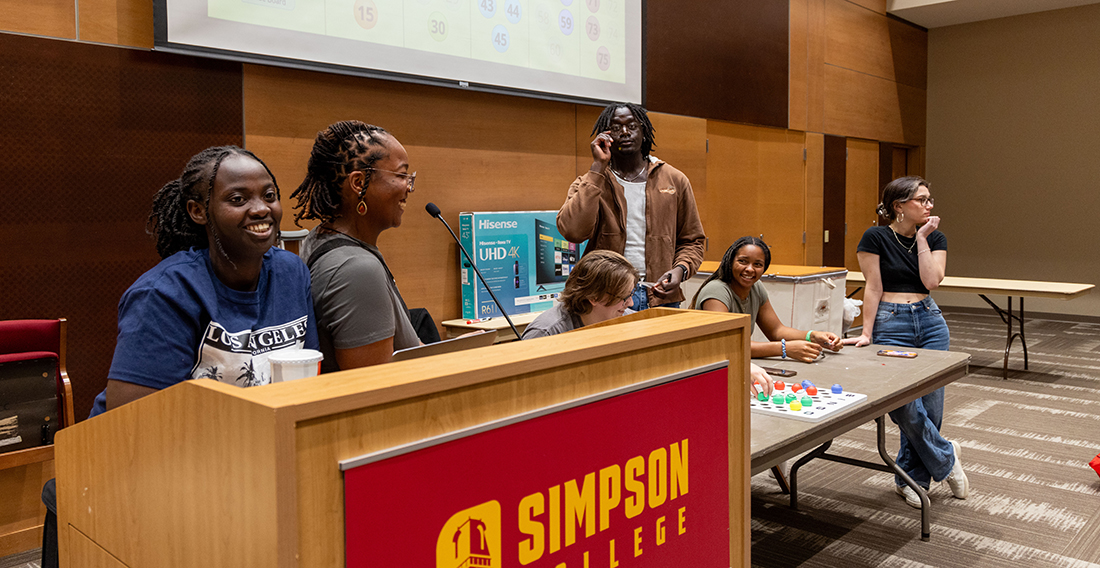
(1029,288)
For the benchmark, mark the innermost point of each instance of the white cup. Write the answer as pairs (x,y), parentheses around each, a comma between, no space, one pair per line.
(291,364)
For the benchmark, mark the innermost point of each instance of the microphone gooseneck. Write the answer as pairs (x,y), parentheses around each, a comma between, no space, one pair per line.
(433,210)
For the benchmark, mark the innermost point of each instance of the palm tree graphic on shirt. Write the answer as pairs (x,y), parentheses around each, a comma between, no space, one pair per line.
(248,375)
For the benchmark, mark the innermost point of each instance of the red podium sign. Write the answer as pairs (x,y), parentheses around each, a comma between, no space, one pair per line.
(639,479)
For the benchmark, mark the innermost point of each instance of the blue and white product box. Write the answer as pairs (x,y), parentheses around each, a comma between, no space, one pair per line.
(522,256)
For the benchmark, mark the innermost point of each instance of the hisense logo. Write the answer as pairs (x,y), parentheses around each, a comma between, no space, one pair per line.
(484,224)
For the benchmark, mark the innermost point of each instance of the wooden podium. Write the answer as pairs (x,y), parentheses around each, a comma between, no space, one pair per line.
(208,474)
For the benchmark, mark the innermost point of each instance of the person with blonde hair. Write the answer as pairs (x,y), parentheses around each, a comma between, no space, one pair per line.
(599,288)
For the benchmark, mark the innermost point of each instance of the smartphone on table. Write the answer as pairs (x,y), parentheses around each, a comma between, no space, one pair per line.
(896,353)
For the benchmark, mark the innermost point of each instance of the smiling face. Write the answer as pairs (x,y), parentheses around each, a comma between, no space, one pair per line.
(388,189)
(244,211)
(747,267)
(612,307)
(919,207)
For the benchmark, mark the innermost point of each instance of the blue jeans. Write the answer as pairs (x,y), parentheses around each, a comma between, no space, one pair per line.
(925,455)
(641,300)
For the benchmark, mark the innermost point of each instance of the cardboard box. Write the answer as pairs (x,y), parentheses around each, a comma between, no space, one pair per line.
(522,256)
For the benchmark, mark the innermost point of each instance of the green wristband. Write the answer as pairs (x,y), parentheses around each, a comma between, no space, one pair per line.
(808,334)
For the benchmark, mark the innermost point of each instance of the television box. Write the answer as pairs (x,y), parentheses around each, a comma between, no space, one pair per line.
(522,256)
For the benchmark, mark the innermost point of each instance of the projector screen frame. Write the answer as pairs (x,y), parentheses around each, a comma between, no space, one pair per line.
(161,43)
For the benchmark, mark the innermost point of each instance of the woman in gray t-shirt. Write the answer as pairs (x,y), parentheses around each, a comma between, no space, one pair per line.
(357,183)
(735,287)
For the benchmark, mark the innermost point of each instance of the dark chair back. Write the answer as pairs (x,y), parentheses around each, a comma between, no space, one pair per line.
(35,392)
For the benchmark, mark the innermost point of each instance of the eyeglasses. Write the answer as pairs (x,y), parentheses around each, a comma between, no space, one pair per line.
(925,201)
(410,179)
(630,127)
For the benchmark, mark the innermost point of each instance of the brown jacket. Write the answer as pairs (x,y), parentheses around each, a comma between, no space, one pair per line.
(594,210)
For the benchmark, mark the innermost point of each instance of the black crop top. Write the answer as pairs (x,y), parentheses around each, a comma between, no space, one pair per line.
(897,266)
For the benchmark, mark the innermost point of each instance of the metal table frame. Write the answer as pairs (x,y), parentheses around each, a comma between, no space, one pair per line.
(984,287)
(818,437)
(1006,316)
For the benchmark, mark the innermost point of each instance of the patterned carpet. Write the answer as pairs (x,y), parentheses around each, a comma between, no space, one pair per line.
(1026,443)
(28,559)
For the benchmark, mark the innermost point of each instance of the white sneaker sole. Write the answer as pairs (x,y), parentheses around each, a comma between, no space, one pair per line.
(901,490)
(961,480)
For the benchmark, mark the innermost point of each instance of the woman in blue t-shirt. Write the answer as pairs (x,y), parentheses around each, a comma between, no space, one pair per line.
(219,303)
(224,297)
(901,263)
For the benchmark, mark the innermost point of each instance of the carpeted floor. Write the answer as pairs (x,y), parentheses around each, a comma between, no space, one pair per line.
(28,559)
(1026,443)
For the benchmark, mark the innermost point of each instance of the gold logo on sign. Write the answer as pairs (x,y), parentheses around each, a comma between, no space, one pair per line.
(470,538)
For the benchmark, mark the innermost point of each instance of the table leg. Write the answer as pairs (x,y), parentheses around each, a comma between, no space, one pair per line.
(1007,316)
(1023,341)
(781,480)
(819,452)
(925,504)
(888,466)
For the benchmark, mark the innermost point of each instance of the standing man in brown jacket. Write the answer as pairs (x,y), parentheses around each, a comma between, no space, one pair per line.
(636,205)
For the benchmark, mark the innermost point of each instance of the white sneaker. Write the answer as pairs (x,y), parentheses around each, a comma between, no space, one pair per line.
(960,485)
(911,496)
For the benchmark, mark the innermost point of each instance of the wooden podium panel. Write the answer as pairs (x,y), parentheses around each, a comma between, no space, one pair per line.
(207,474)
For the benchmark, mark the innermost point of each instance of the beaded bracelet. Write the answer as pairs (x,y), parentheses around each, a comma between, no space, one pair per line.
(783,343)
(808,334)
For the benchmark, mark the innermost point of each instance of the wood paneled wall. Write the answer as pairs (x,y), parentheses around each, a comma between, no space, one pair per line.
(50,18)
(719,59)
(473,151)
(756,185)
(117,22)
(859,203)
(89,133)
(856,72)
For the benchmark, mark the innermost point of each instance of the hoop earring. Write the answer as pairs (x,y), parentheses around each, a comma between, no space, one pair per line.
(901,217)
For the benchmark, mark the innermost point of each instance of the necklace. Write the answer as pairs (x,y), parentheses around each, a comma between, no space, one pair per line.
(330,229)
(908,249)
(633,178)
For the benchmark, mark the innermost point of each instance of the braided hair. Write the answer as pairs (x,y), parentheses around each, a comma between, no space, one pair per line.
(169,222)
(725,268)
(339,150)
(603,124)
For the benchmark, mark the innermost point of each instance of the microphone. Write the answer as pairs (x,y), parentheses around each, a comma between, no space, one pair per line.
(433,210)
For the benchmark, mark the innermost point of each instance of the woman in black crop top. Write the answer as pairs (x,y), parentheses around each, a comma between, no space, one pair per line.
(901,263)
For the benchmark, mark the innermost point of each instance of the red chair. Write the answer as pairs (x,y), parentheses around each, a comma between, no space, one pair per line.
(29,349)
(37,346)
